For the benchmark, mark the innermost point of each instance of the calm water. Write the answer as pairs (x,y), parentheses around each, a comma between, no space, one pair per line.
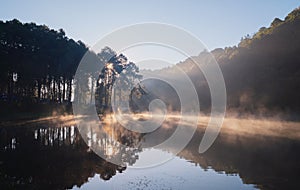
(54,156)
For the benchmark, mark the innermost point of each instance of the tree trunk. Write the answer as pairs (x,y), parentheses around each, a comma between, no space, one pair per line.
(59,90)
(64,89)
(49,89)
(70,91)
(39,89)
(54,91)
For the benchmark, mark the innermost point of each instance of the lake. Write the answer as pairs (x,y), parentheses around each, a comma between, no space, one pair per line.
(248,154)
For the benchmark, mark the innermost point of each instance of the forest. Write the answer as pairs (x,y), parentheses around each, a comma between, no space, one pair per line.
(38,64)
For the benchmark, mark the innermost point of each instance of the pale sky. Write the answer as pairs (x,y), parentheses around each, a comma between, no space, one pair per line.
(216,23)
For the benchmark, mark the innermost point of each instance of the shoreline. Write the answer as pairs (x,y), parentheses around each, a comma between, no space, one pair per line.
(231,125)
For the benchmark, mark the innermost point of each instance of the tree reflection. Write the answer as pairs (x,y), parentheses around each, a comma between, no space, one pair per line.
(43,157)
(111,141)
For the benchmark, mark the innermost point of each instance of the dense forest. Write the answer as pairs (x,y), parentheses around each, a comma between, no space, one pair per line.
(38,65)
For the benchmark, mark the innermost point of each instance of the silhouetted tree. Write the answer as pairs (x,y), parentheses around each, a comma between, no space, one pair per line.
(118,67)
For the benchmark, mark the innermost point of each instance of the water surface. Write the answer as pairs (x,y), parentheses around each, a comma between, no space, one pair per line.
(47,155)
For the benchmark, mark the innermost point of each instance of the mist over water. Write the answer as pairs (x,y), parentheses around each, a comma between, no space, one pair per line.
(245,152)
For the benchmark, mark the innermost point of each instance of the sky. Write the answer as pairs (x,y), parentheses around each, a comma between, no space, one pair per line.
(217,23)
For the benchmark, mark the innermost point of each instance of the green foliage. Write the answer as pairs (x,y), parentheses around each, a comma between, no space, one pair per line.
(277,24)
(293,15)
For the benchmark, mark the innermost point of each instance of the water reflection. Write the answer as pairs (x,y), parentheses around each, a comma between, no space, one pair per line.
(46,156)
(42,157)
(112,142)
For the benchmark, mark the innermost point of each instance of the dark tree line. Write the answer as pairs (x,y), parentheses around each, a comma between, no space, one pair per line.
(37,63)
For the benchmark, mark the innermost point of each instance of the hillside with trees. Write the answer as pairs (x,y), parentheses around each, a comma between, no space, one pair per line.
(262,73)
